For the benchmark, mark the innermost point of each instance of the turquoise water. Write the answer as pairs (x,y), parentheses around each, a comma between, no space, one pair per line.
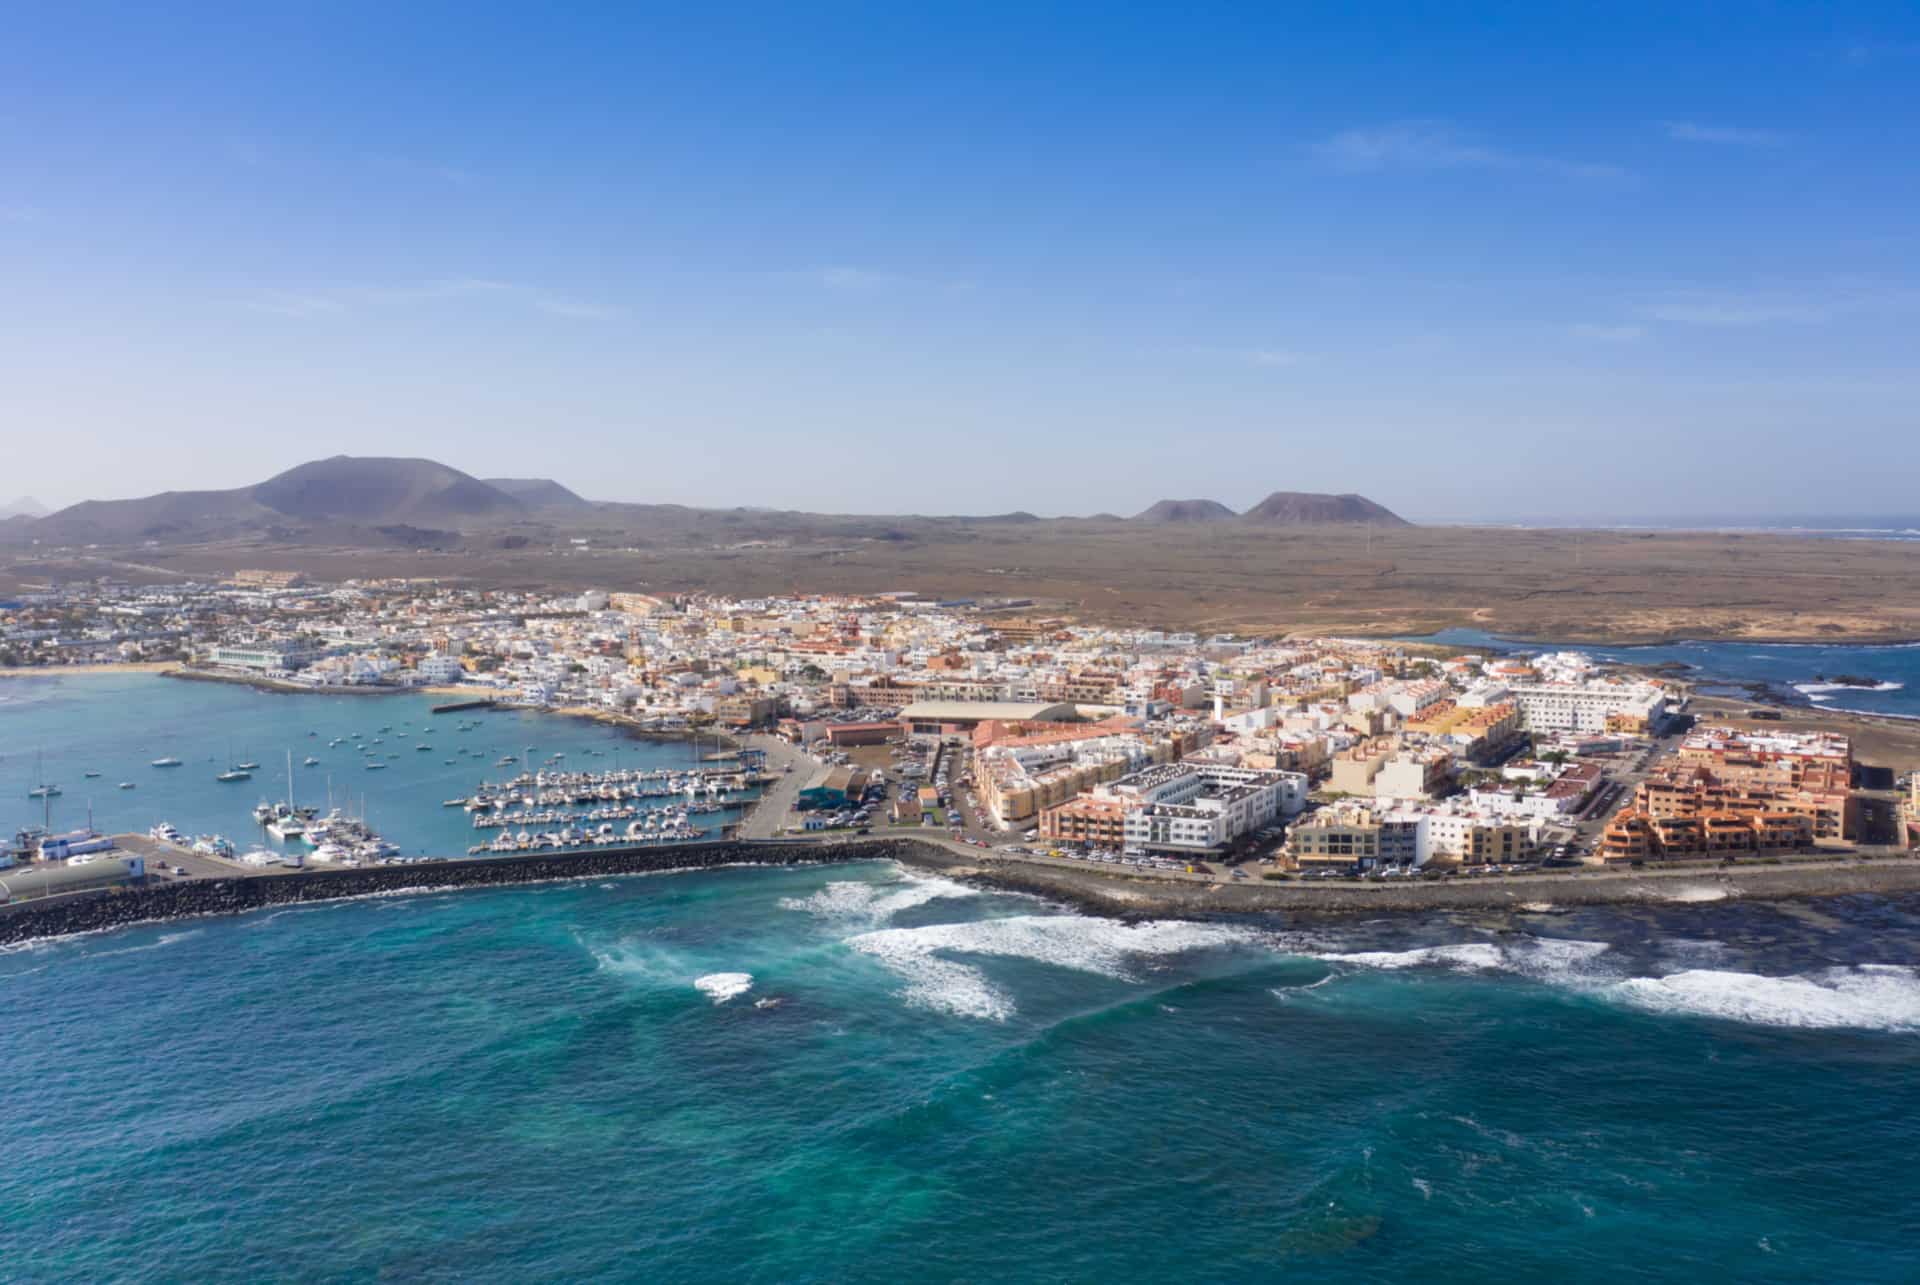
(1796,671)
(117,724)
(868,1074)
(865,1074)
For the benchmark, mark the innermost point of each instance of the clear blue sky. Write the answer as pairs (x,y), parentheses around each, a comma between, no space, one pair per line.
(1473,261)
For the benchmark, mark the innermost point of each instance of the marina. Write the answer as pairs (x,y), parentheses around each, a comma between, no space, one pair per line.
(345,790)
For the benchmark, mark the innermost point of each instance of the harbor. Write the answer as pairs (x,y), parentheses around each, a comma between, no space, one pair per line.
(255,780)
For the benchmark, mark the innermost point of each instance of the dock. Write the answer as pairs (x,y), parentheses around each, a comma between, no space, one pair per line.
(454,707)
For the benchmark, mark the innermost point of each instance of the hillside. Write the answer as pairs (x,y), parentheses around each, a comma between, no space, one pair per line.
(538,492)
(376,490)
(342,499)
(1186,511)
(1308,508)
(24,507)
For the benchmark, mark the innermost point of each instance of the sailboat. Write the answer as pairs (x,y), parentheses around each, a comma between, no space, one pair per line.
(42,790)
(235,773)
(290,824)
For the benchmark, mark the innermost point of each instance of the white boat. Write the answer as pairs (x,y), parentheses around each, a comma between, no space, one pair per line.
(376,767)
(166,761)
(286,827)
(126,785)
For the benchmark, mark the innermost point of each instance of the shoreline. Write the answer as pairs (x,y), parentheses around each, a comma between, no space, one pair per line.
(109,667)
(1107,895)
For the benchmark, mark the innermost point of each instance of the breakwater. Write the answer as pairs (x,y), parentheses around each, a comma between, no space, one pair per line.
(94,912)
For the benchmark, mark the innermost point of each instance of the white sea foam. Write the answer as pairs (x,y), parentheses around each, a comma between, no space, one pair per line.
(1547,958)
(1693,892)
(1067,941)
(721,987)
(854,899)
(1812,689)
(1870,997)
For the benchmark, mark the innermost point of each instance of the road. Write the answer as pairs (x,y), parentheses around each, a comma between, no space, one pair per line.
(773,812)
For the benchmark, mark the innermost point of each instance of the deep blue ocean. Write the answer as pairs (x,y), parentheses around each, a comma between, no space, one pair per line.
(1800,672)
(869,1074)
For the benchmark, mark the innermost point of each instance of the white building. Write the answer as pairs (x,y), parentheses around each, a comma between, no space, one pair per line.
(1199,806)
(1585,707)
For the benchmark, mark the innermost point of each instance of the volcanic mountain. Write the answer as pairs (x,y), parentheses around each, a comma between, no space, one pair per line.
(344,491)
(538,492)
(1186,511)
(1308,508)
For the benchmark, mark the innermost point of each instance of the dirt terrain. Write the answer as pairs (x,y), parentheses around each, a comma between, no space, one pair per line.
(1598,586)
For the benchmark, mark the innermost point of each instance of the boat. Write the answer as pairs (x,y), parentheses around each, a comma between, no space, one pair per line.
(90,775)
(44,790)
(126,785)
(233,774)
(283,828)
(309,761)
(248,767)
(376,767)
(166,761)
(423,748)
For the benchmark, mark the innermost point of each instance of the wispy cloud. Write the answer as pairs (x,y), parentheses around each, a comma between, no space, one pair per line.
(853,279)
(336,300)
(1861,52)
(1432,145)
(1687,131)
(1699,309)
(1261,358)
(1609,334)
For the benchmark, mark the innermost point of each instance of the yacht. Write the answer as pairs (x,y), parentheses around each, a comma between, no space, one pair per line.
(44,792)
(126,785)
(166,834)
(167,761)
(376,766)
(247,767)
(233,774)
(289,827)
(309,761)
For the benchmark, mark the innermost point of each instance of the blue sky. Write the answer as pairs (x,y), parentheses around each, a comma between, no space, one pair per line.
(1520,260)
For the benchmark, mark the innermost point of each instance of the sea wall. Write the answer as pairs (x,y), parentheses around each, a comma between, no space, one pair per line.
(92,912)
(1093,891)
(1135,898)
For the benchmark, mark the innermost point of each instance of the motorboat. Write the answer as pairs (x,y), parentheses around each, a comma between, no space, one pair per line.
(166,761)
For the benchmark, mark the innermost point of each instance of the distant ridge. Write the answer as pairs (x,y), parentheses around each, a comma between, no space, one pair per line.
(24,507)
(397,498)
(1309,508)
(1186,511)
(538,492)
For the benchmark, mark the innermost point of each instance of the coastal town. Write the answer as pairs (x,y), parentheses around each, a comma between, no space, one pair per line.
(1009,728)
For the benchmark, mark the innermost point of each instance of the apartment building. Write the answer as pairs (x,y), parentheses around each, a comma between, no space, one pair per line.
(1347,836)
(1601,706)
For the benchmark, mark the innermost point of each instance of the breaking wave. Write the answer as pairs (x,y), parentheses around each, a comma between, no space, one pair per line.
(875,903)
(721,987)
(1102,946)
(1879,997)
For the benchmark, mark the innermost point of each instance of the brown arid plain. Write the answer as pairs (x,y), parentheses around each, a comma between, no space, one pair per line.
(1559,585)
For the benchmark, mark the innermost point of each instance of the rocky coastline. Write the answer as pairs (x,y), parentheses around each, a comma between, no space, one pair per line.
(1092,891)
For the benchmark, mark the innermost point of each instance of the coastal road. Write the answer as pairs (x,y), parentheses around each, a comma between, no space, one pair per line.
(771,814)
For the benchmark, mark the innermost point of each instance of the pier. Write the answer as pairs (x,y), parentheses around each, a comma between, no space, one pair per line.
(454,707)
